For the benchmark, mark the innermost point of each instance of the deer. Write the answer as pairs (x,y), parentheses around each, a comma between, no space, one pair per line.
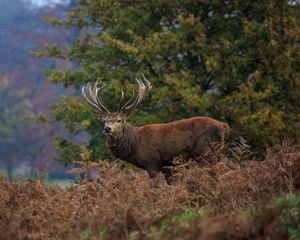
(152,147)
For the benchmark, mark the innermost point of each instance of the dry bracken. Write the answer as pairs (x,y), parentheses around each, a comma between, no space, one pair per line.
(126,205)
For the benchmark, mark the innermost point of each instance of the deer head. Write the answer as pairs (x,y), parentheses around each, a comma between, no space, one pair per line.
(113,121)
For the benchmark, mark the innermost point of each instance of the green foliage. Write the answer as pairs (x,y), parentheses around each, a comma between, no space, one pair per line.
(291,214)
(188,215)
(86,233)
(102,233)
(179,222)
(234,60)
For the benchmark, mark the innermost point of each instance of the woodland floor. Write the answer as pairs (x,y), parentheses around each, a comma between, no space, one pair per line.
(215,199)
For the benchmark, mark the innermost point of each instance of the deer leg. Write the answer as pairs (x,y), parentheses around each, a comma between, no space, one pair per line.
(154,177)
(167,171)
(168,175)
(149,160)
(152,173)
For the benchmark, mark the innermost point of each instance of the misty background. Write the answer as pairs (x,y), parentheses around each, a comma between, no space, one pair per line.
(25,146)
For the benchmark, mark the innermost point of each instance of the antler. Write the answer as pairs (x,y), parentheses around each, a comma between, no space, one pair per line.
(144,88)
(91,94)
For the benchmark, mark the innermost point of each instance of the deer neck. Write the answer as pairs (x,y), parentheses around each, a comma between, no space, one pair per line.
(123,145)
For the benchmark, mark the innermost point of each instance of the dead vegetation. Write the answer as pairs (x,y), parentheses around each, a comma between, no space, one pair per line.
(215,199)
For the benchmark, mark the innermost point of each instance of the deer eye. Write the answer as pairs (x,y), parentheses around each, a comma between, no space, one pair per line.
(119,120)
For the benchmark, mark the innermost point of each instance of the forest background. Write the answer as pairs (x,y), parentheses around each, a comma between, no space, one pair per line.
(235,61)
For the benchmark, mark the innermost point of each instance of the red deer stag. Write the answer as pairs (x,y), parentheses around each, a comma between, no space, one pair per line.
(152,147)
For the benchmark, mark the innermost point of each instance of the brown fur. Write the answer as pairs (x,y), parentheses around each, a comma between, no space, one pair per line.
(152,147)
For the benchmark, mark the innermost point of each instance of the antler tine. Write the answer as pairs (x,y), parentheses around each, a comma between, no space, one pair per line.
(144,88)
(132,102)
(121,101)
(147,81)
(128,102)
(87,97)
(98,92)
(91,94)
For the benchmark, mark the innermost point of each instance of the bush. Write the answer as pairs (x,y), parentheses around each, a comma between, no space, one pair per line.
(234,61)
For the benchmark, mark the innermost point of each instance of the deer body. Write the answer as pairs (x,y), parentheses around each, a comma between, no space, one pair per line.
(152,147)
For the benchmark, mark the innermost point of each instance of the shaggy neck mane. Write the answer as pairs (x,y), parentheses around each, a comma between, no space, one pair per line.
(124,144)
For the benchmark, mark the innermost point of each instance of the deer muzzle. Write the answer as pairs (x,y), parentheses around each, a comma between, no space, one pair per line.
(107,130)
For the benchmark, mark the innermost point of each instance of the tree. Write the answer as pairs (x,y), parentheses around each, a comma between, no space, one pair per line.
(24,29)
(13,105)
(232,60)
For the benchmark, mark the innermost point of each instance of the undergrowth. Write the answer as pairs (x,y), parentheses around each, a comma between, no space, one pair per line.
(218,199)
